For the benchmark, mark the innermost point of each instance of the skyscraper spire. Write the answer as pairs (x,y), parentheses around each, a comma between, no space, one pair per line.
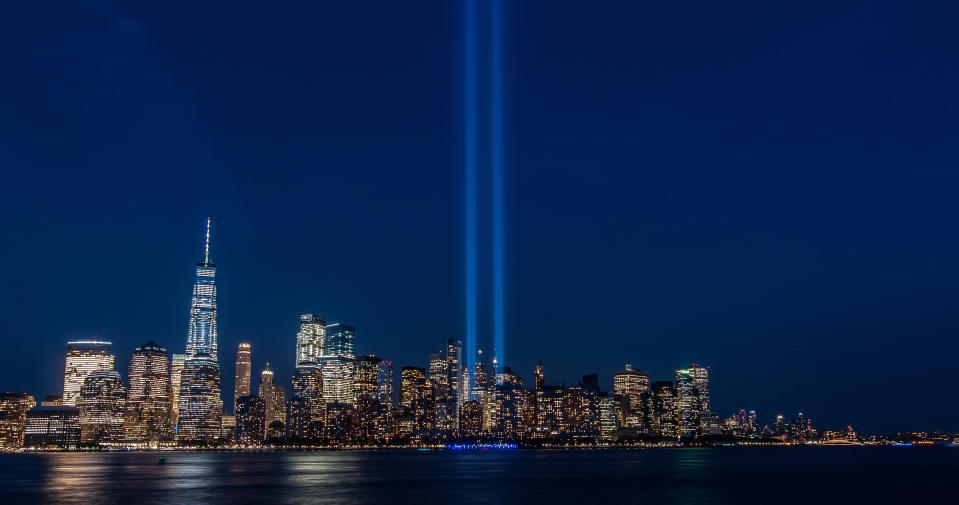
(206,250)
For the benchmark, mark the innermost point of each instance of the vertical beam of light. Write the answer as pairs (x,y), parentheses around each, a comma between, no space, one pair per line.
(496,160)
(469,168)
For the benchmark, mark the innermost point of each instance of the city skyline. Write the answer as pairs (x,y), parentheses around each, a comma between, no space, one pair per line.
(761,188)
(324,345)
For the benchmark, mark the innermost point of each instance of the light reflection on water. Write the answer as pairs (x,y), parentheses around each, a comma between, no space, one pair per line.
(746,476)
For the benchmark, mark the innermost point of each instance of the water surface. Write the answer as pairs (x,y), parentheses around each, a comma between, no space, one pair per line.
(765,475)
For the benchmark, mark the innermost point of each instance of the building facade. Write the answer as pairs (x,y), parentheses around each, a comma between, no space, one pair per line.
(340,340)
(311,339)
(83,358)
(244,367)
(13,418)
(52,427)
(148,416)
(202,332)
(102,404)
(337,378)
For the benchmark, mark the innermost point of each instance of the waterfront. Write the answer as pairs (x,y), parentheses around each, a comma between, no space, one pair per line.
(714,475)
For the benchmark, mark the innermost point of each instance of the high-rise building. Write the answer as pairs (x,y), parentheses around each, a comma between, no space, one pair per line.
(692,403)
(53,426)
(631,385)
(201,409)
(385,380)
(149,397)
(366,376)
(311,339)
(279,406)
(337,378)
(608,418)
(539,376)
(244,365)
(410,378)
(439,378)
(700,377)
(458,379)
(102,403)
(13,418)
(228,428)
(307,408)
(340,339)
(507,411)
(423,405)
(471,419)
(200,405)
(176,375)
(202,334)
(83,358)
(664,421)
(250,420)
(268,394)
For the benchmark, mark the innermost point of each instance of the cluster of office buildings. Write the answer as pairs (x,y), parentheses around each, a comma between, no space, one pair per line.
(338,397)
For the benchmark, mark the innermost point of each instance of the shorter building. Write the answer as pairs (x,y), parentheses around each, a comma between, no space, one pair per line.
(13,418)
(366,376)
(337,378)
(250,420)
(52,401)
(102,402)
(52,427)
(471,419)
(411,377)
(201,408)
(228,429)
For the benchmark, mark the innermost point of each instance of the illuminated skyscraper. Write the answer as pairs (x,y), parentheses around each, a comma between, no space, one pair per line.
(664,422)
(268,394)
(307,408)
(13,418)
(311,339)
(366,376)
(200,405)
(340,339)
(201,409)
(83,358)
(102,403)
(508,402)
(439,379)
(458,380)
(149,397)
(692,401)
(250,420)
(608,418)
(385,380)
(539,376)
(631,385)
(337,378)
(411,377)
(176,374)
(244,364)
(228,428)
(202,336)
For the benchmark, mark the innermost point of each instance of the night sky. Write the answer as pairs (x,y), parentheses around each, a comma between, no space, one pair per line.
(768,190)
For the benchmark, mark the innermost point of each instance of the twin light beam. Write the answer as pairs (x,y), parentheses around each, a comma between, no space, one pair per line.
(470,166)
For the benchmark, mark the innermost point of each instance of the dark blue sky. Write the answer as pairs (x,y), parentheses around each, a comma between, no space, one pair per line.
(768,190)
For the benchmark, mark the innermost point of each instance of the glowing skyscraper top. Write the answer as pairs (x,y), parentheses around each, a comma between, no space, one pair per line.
(201,338)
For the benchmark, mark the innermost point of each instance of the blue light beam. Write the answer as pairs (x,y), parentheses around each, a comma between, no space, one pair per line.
(470,180)
(496,160)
